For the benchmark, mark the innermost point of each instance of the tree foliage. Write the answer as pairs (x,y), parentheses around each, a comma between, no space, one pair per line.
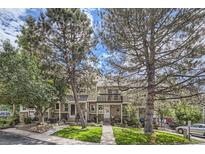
(22,81)
(63,37)
(185,113)
(157,50)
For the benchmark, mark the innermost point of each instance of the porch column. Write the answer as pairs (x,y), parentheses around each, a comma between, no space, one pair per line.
(13,109)
(59,111)
(204,114)
(97,112)
(121,113)
(49,114)
(86,112)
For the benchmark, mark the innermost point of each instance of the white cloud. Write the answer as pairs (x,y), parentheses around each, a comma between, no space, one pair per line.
(10,22)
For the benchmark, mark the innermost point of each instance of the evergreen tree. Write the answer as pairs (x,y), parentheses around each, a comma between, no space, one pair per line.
(157,50)
(67,34)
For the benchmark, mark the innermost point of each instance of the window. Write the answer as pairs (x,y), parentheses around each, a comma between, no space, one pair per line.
(118,110)
(109,97)
(82,90)
(72,109)
(65,107)
(112,91)
(100,108)
(115,91)
(70,98)
(24,108)
(57,106)
(115,97)
(109,91)
(196,126)
(83,97)
(202,126)
(92,108)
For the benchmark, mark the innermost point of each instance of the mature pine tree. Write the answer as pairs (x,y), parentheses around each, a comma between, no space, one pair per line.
(157,50)
(68,34)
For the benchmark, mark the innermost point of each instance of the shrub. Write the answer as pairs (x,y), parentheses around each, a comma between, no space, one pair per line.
(94,124)
(27,120)
(2,121)
(153,138)
(7,122)
(132,122)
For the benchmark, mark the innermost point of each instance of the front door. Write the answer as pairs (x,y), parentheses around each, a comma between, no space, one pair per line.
(106,112)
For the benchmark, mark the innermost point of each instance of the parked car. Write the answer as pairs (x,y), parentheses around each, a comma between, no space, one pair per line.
(195,129)
(4,114)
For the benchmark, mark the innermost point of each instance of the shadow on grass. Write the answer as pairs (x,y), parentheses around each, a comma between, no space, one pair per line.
(89,134)
(130,136)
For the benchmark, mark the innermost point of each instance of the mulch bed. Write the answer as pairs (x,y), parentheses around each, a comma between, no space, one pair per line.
(37,128)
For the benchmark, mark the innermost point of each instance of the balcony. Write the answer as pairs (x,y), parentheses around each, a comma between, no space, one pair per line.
(80,98)
(110,98)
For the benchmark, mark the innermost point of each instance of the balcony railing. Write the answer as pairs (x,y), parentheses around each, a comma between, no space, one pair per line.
(110,98)
(80,98)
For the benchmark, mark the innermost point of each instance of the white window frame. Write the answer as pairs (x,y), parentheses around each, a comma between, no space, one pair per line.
(101,111)
(66,107)
(58,106)
(94,106)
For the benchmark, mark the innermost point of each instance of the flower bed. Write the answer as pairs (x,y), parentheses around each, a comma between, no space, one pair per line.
(37,128)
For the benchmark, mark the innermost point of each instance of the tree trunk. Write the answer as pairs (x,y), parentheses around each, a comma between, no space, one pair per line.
(150,61)
(13,109)
(79,111)
(41,117)
(148,129)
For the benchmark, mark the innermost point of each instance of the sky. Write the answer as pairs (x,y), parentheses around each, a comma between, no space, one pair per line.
(11,21)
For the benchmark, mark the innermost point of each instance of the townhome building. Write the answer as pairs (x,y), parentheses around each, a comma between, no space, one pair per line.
(102,103)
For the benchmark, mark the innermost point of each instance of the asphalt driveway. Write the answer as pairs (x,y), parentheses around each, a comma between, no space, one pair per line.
(13,139)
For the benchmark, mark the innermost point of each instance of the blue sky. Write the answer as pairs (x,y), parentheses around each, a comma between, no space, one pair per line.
(11,21)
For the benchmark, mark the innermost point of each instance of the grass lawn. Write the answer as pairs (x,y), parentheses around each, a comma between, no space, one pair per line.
(89,134)
(125,136)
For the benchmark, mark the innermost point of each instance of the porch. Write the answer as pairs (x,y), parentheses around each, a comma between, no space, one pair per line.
(105,112)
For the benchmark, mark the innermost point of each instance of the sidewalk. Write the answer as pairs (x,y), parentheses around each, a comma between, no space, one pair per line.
(107,135)
(55,129)
(46,137)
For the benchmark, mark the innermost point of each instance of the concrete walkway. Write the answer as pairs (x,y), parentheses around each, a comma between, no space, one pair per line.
(46,137)
(107,135)
(55,129)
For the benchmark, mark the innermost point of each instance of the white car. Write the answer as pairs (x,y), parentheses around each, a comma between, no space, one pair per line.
(195,129)
(4,113)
